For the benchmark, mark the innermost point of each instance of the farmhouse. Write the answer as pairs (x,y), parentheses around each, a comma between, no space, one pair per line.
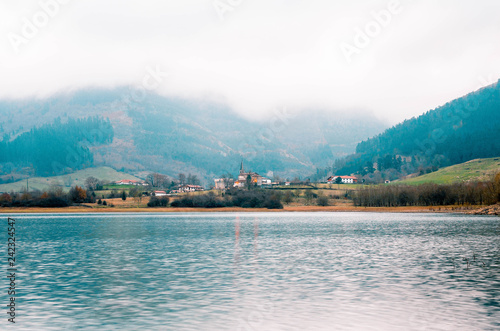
(345,179)
(129,182)
(190,188)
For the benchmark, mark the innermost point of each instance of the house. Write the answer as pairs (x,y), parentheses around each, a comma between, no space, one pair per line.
(126,182)
(130,182)
(266,181)
(190,188)
(160,193)
(345,179)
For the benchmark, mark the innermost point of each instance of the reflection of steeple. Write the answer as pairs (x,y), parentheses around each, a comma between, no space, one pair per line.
(241,168)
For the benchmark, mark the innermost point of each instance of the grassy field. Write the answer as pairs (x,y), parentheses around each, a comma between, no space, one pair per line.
(475,170)
(66,181)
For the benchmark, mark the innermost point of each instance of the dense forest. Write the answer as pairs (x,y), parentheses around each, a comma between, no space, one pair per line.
(56,148)
(461,130)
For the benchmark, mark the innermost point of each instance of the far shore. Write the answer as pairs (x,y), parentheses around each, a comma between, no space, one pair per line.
(86,209)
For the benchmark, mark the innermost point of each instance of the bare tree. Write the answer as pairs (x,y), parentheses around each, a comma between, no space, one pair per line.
(157,180)
(228,180)
(193,180)
(91,183)
(136,193)
(182,179)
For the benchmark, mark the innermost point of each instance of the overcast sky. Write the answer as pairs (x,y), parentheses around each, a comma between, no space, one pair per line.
(395,59)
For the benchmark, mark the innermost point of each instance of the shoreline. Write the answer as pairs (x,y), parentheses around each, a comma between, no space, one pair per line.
(88,210)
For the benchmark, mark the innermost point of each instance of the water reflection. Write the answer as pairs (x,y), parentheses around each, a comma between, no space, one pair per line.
(236,245)
(259,272)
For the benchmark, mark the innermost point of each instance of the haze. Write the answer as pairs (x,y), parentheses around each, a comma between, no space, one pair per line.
(257,55)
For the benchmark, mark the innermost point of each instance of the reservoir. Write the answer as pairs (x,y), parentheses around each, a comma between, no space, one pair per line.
(255,271)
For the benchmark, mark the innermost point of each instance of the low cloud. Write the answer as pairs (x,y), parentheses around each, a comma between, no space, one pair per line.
(259,55)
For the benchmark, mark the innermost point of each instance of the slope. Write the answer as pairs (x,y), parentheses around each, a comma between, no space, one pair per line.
(170,136)
(461,130)
(474,171)
(66,181)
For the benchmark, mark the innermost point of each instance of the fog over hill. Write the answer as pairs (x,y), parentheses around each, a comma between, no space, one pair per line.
(167,135)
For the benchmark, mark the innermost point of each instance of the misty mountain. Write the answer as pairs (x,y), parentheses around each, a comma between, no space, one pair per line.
(55,148)
(461,130)
(168,135)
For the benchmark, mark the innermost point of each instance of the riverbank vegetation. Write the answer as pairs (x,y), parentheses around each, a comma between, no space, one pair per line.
(456,195)
(478,193)
(235,198)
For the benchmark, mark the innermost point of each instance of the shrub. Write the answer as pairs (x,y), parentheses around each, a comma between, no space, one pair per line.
(158,202)
(240,198)
(54,202)
(288,197)
(274,204)
(322,201)
(77,194)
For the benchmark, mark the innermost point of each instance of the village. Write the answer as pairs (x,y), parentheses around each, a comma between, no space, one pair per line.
(248,189)
(244,180)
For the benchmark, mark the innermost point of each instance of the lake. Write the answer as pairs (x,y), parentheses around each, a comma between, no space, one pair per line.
(255,271)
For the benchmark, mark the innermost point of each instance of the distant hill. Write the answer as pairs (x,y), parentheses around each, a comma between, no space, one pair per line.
(463,129)
(475,170)
(172,136)
(66,181)
(54,148)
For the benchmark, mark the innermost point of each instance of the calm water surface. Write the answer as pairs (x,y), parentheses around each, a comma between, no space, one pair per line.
(273,271)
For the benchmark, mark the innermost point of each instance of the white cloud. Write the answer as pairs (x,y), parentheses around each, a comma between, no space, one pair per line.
(262,55)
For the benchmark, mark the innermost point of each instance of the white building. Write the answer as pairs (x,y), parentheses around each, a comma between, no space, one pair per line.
(345,179)
(190,188)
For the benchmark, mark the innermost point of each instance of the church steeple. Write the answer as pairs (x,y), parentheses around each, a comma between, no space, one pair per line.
(241,168)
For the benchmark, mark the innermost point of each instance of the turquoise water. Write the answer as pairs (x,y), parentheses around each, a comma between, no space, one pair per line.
(272,271)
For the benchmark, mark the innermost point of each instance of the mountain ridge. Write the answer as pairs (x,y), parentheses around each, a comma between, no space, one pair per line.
(461,130)
(169,135)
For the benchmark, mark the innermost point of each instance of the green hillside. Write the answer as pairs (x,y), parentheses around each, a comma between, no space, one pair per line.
(459,131)
(171,136)
(66,181)
(474,170)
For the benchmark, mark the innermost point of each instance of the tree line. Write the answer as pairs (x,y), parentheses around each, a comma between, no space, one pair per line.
(258,198)
(459,131)
(54,197)
(479,193)
(57,148)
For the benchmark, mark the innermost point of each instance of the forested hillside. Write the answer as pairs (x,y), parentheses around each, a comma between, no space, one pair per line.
(172,136)
(56,148)
(461,130)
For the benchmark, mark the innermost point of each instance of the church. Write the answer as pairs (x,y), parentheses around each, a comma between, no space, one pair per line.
(243,177)
(255,178)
